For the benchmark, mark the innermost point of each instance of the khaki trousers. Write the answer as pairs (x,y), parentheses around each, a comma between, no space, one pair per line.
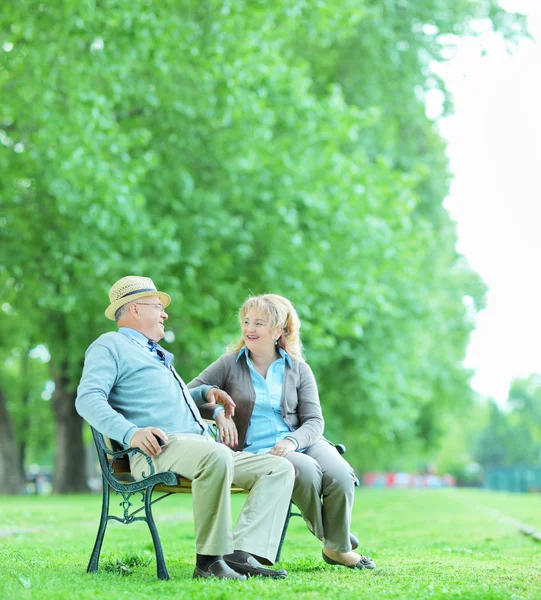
(324,492)
(212,468)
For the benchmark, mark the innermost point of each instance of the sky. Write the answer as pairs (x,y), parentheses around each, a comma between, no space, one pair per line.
(494,149)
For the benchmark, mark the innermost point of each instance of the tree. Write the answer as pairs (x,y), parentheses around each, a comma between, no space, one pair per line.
(227,149)
(512,436)
(11,474)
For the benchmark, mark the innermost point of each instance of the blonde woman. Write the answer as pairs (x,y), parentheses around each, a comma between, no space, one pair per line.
(278,412)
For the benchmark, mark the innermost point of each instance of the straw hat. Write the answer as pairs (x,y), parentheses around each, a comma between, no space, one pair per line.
(131,288)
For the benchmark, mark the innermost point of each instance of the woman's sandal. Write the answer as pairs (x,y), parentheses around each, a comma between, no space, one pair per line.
(365,563)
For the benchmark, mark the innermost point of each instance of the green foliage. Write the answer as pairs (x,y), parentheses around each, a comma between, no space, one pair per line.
(24,378)
(233,148)
(457,447)
(512,435)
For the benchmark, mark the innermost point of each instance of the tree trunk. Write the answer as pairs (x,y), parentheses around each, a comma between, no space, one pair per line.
(21,452)
(25,423)
(70,471)
(11,472)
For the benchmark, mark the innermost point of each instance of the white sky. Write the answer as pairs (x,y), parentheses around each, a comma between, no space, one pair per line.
(495,153)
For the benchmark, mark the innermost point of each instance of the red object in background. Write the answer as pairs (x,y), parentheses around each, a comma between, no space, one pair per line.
(449,481)
(407,480)
(369,479)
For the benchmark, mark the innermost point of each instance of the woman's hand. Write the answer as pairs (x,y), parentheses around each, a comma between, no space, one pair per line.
(227,430)
(215,395)
(283,447)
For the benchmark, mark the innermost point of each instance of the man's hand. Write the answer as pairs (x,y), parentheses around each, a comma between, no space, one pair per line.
(283,447)
(227,430)
(146,439)
(214,395)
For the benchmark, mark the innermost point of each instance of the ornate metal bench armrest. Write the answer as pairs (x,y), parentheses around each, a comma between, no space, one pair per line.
(114,454)
(147,458)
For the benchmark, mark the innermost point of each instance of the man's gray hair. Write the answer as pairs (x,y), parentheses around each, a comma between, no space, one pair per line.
(122,311)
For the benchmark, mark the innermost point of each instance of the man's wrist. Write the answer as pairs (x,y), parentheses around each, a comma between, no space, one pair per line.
(128,436)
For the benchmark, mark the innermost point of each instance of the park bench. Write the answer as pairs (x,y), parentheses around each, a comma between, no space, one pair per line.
(154,487)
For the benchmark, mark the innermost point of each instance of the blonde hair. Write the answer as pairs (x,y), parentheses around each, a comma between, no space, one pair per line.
(280,314)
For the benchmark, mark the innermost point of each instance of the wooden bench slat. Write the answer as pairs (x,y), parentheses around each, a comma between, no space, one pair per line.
(122,473)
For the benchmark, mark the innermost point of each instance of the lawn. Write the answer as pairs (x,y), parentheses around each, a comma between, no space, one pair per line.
(427,544)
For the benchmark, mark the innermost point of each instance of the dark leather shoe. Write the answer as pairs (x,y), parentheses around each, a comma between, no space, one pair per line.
(218,569)
(245,563)
(365,563)
(354,541)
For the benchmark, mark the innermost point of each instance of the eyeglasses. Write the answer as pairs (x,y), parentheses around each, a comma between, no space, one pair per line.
(159,307)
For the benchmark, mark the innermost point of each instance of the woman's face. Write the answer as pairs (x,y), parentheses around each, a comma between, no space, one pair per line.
(257,335)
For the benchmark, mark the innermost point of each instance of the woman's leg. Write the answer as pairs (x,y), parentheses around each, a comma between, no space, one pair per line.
(307,491)
(338,492)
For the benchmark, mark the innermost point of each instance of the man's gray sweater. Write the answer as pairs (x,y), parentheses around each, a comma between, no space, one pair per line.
(123,388)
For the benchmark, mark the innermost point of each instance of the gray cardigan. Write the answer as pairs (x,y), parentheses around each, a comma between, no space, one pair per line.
(300,400)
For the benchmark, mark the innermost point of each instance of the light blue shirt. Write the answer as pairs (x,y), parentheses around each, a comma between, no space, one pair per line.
(140,339)
(267,426)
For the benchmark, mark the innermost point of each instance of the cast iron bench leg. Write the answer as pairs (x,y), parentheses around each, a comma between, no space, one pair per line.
(95,556)
(284,531)
(160,560)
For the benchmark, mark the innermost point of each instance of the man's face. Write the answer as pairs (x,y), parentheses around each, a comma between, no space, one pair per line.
(151,317)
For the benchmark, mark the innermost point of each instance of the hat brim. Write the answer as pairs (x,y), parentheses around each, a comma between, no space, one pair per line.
(110,311)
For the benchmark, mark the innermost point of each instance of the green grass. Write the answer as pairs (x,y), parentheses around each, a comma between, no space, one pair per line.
(427,544)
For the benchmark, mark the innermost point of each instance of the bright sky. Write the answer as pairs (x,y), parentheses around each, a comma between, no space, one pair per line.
(495,153)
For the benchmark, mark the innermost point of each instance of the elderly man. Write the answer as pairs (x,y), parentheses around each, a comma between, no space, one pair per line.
(130,392)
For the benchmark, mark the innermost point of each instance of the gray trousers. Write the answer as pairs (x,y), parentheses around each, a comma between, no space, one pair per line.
(213,467)
(324,492)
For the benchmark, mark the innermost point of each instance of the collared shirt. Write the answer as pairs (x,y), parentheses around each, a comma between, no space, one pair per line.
(267,426)
(141,339)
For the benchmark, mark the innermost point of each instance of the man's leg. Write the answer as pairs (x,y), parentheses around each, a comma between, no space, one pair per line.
(210,467)
(269,480)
